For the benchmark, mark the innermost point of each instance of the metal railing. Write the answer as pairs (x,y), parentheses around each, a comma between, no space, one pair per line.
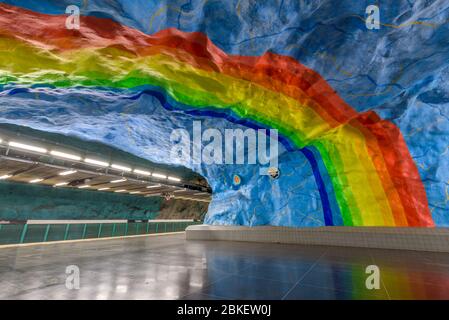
(30,233)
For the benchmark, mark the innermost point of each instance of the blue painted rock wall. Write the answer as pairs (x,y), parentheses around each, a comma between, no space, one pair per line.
(400,71)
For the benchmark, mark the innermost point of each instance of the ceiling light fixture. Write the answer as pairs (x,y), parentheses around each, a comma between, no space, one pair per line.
(117,181)
(153,195)
(27,147)
(65,155)
(6,176)
(66,173)
(96,162)
(142,172)
(121,190)
(101,189)
(61,184)
(119,167)
(85,186)
(159,175)
(134,192)
(36,180)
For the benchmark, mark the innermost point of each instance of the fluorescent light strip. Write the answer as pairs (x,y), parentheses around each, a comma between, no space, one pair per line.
(27,147)
(117,181)
(154,186)
(174,179)
(1,140)
(36,180)
(134,192)
(96,162)
(85,186)
(142,172)
(102,189)
(122,190)
(65,155)
(61,184)
(158,175)
(153,194)
(6,176)
(66,173)
(119,167)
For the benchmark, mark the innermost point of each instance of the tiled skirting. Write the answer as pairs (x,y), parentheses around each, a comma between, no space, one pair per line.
(421,239)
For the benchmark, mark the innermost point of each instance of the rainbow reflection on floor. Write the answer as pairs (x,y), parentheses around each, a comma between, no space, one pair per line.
(170,267)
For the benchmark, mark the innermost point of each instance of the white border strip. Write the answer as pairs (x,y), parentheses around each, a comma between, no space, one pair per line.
(101,221)
(16,245)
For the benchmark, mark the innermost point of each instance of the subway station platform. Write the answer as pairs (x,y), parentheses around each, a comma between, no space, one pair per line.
(171,267)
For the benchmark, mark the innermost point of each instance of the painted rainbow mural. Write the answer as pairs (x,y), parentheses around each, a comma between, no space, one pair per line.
(361,163)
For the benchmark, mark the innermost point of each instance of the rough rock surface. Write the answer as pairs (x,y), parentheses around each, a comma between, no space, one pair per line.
(401,71)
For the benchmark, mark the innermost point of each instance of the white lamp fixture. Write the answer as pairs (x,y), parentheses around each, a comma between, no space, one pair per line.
(96,162)
(66,173)
(65,155)
(120,167)
(6,176)
(134,192)
(142,172)
(28,147)
(85,186)
(159,175)
(61,184)
(36,180)
(174,179)
(102,189)
(121,190)
(119,180)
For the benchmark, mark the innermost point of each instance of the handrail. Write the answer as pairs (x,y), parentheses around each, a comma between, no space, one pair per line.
(27,233)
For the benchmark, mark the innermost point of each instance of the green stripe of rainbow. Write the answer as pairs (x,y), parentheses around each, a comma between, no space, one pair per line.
(374,179)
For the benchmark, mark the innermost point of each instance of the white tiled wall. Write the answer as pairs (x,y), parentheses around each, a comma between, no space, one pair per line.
(422,239)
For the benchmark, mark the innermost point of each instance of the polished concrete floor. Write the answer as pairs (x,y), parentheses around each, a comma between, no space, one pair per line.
(169,267)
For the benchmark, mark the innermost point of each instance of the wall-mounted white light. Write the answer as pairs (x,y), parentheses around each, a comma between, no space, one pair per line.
(66,173)
(28,147)
(65,155)
(142,172)
(159,175)
(96,162)
(36,180)
(120,167)
(119,180)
